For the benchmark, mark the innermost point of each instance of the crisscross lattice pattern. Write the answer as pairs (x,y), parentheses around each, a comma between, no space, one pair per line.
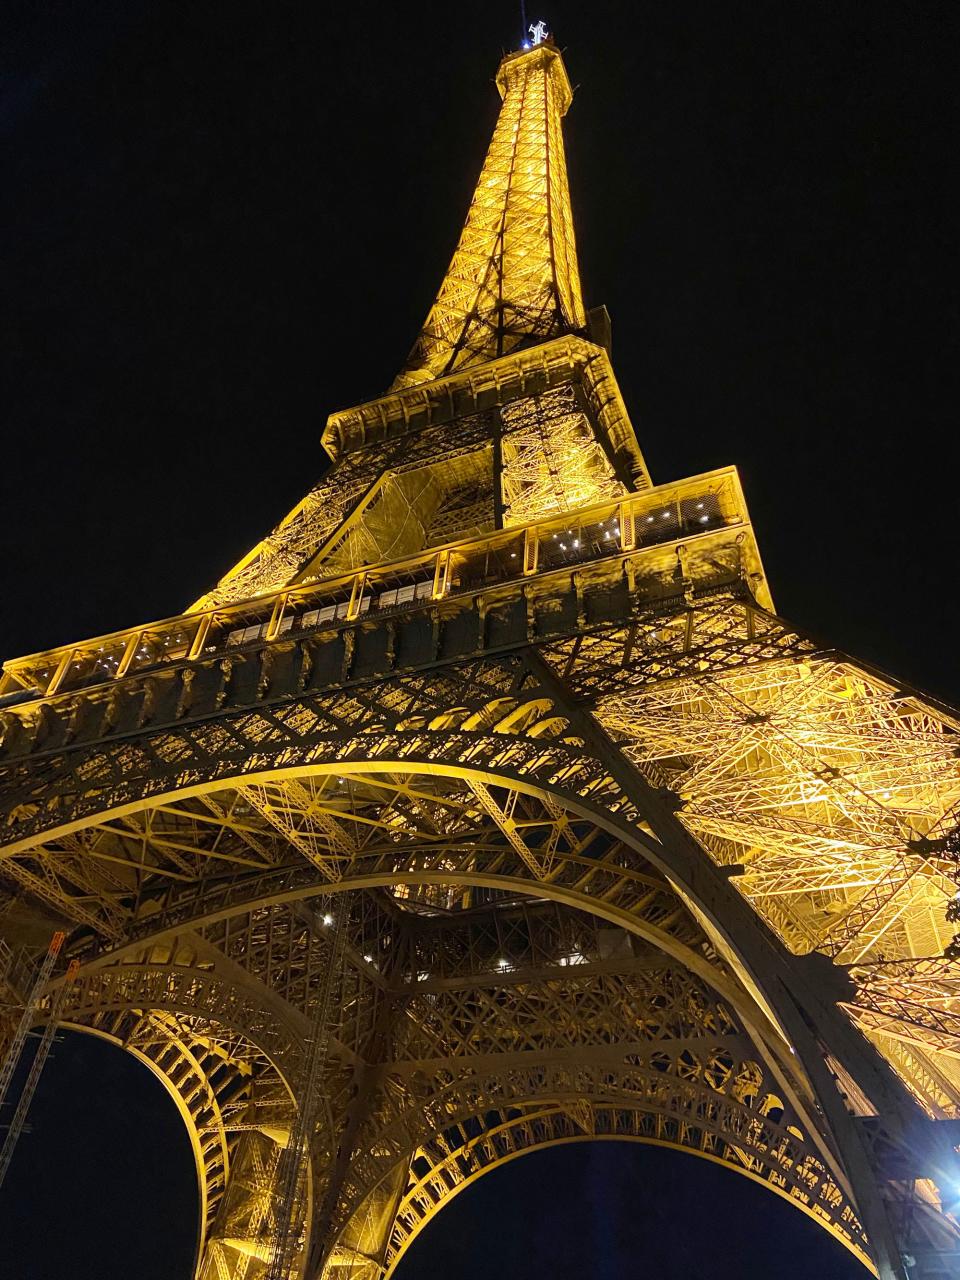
(514,276)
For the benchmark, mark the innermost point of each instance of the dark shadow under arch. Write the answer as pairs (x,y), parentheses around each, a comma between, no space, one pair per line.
(611,1209)
(103,1186)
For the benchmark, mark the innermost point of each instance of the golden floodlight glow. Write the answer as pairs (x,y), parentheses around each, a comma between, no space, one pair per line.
(487,804)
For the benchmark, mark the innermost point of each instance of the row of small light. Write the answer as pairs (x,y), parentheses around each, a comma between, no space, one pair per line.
(664,515)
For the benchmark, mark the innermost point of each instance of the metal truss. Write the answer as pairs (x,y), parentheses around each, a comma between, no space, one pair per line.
(452,1162)
(514,275)
(551,460)
(224,1086)
(608,849)
(915,1001)
(525,1003)
(470,783)
(327,523)
(824,786)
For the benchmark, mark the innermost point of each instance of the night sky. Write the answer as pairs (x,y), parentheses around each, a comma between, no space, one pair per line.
(222,222)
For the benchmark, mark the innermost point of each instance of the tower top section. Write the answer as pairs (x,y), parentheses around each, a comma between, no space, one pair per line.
(514,279)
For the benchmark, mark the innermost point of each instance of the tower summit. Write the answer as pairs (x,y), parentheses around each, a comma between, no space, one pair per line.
(487,803)
(509,313)
(514,278)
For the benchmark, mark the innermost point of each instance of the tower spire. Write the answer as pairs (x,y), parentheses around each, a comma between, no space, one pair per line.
(514,278)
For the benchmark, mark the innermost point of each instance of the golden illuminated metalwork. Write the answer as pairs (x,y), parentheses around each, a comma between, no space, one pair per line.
(489,792)
(514,276)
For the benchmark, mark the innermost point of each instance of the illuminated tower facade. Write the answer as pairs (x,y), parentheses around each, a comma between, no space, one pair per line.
(487,803)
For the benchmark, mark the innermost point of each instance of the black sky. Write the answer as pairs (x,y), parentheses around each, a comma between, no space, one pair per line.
(221,222)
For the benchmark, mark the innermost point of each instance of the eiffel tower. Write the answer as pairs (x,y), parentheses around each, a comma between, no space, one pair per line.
(488,804)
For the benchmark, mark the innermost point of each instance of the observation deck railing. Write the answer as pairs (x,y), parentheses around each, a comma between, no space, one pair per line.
(671,513)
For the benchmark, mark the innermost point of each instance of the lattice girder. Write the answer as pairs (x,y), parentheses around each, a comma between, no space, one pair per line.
(226,1089)
(533,756)
(848,829)
(441,1170)
(410,720)
(514,277)
(575,1037)
(611,849)
(591,1017)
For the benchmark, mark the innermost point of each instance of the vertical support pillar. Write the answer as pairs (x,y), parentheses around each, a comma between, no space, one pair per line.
(441,574)
(498,471)
(356,597)
(58,677)
(276,617)
(200,639)
(129,653)
(793,1000)
(628,528)
(531,550)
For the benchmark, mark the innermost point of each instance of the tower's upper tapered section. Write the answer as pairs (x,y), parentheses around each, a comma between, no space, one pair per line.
(514,278)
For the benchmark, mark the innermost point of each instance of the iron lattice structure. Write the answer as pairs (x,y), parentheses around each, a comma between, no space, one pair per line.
(501,754)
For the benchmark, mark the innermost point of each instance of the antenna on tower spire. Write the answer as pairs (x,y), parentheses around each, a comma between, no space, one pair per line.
(533,33)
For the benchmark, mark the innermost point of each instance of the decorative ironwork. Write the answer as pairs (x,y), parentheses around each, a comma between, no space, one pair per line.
(494,762)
